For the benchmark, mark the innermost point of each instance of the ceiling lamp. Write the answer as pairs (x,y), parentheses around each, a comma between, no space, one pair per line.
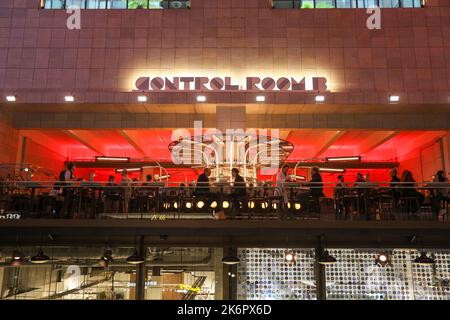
(423,260)
(106,258)
(17,258)
(383,259)
(11,98)
(331,170)
(230,260)
(121,159)
(327,259)
(290,257)
(336,159)
(40,257)
(69,98)
(135,258)
(260,98)
(201,98)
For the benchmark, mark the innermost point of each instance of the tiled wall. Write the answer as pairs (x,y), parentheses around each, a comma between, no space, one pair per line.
(9,139)
(41,60)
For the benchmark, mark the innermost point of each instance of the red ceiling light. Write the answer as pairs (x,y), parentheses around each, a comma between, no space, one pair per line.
(337,159)
(113,159)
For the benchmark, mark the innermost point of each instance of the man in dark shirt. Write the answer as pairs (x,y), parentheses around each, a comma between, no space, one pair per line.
(239,183)
(202,188)
(394,183)
(316,183)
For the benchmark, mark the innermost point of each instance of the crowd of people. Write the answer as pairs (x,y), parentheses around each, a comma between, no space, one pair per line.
(129,195)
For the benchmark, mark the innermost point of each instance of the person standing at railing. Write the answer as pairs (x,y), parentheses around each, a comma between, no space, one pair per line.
(282,178)
(438,194)
(125,184)
(239,191)
(66,177)
(112,196)
(338,194)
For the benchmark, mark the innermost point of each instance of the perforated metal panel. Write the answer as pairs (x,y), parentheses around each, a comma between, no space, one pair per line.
(263,274)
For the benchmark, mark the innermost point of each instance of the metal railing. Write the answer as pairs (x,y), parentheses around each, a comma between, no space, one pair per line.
(291,200)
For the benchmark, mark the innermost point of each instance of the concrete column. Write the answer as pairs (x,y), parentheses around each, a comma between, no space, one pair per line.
(319,269)
(141,272)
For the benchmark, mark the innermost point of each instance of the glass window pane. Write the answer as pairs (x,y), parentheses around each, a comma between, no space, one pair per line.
(155,4)
(96,4)
(307,4)
(54,4)
(371,3)
(76,3)
(324,4)
(137,4)
(117,4)
(343,4)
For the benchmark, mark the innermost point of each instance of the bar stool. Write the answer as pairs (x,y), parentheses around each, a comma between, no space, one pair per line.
(407,203)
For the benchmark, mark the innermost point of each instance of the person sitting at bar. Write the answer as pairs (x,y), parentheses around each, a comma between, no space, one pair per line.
(203,187)
(315,191)
(238,191)
(409,190)
(438,194)
(359,179)
(394,183)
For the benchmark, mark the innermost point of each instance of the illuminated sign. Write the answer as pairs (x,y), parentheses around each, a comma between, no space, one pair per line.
(300,84)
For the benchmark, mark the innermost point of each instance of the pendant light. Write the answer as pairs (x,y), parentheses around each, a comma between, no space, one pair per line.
(135,258)
(325,257)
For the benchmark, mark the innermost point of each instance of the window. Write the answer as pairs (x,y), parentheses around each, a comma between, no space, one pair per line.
(116,4)
(322,4)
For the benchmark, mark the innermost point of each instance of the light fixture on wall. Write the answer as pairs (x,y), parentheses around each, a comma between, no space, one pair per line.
(201,98)
(11,98)
(394,98)
(260,98)
(142,98)
(320,98)
(69,98)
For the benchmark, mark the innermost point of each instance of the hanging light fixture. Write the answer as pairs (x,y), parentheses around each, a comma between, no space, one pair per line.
(325,257)
(40,257)
(17,258)
(135,258)
(424,260)
(382,259)
(230,259)
(290,257)
(106,258)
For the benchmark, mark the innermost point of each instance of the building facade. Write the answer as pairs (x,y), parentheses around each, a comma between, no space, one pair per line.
(331,79)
